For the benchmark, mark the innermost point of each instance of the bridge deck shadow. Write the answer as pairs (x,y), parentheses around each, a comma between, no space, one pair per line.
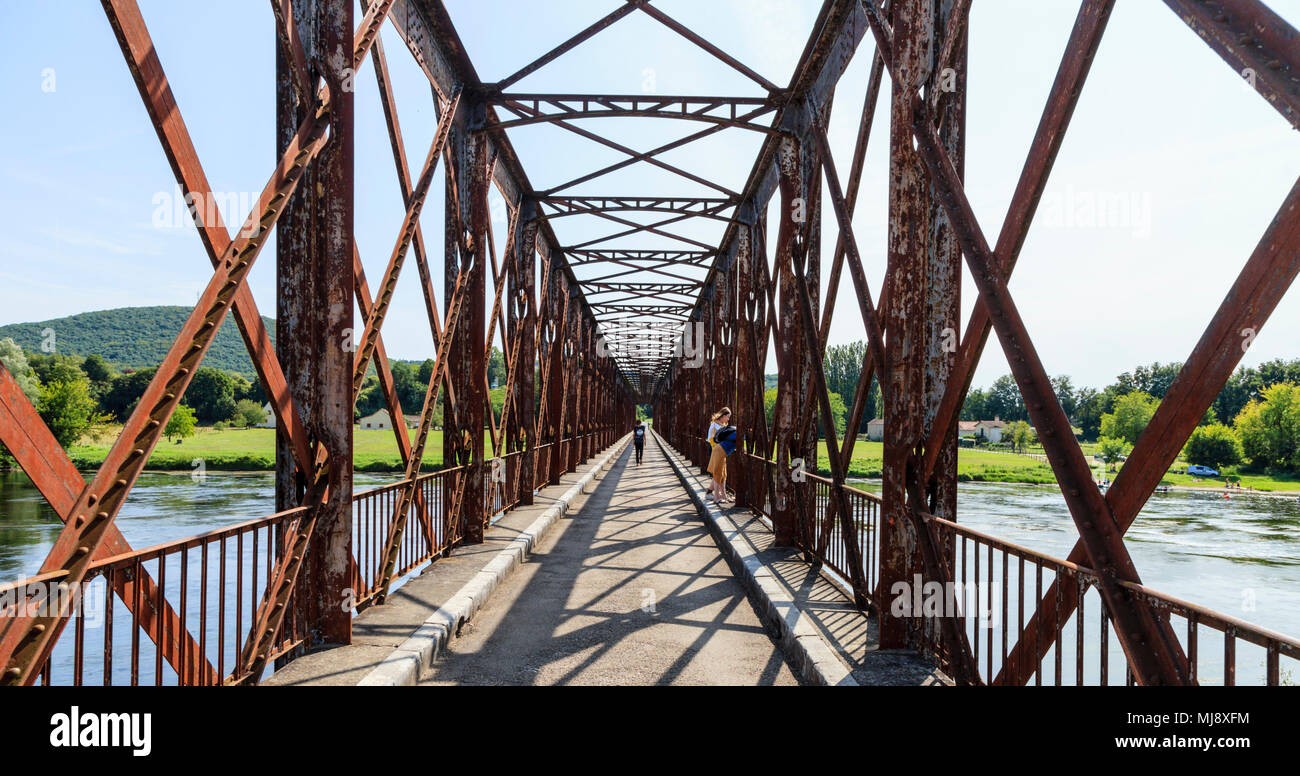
(629,587)
(628,590)
(852,633)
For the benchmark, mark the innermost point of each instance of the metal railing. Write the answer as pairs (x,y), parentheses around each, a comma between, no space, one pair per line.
(215,580)
(998,585)
(996,588)
(430,529)
(199,596)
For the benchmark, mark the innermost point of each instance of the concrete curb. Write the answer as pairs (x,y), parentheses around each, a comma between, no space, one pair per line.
(417,653)
(816,661)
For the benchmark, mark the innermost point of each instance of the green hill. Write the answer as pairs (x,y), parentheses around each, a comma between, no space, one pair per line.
(133,337)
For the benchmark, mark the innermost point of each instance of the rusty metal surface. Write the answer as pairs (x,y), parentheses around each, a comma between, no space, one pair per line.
(649,313)
(316,286)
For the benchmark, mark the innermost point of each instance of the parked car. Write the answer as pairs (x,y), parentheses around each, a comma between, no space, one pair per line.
(1202,471)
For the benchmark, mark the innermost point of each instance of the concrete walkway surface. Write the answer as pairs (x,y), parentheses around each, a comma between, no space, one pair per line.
(619,575)
(629,590)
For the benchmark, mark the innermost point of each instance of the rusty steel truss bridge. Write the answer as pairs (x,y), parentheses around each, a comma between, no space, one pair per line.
(590,330)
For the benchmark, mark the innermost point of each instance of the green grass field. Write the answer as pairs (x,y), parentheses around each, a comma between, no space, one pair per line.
(253,449)
(984,466)
(375,450)
(1261,482)
(972,465)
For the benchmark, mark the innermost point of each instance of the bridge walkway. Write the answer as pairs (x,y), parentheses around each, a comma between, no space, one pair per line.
(632,584)
(629,590)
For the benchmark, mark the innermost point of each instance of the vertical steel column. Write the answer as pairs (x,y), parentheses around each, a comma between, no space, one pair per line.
(611,409)
(315,286)
(811,231)
(943,297)
(688,422)
(759,299)
(582,388)
(726,325)
(572,378)
(943,301)
(903,375)
(454,224)
(475,400)
(688,425)
(748,396)
(810,240)
(700,394)
(557,311)
(794,359)
(710,387)
(521,329)
(590,374)
(599,395)
(670,400)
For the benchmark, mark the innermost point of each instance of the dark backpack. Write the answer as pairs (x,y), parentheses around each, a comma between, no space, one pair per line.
(725,434)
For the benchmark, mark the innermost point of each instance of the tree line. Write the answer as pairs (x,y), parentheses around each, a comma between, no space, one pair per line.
(1255,419)
(75,394)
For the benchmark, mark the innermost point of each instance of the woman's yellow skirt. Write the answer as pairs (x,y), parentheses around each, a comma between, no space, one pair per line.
(718,464)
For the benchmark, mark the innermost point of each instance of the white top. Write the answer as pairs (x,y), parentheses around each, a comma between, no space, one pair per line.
(713,429)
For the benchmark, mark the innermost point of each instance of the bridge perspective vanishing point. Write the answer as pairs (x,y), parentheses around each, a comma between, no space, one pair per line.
(572,563)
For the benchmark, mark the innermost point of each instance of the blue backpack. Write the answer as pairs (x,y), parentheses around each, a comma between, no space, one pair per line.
(726,439)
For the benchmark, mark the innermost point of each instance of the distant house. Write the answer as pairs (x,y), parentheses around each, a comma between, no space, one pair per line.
(412,421)
(967,428)
(380,419)
(991,429)
(268,416)
(876,429)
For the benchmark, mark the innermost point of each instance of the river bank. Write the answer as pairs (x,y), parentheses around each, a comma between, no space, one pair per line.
(253,450)
(1005,467)
(375,451)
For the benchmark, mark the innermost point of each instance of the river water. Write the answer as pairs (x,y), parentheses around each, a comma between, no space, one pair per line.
(161,508)
(1238,556)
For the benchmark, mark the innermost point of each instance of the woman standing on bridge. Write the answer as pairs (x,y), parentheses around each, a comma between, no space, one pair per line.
(718,456)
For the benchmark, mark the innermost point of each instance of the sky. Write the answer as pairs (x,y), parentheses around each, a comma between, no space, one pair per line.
(1164,126)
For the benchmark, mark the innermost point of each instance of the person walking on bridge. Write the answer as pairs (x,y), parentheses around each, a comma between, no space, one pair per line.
(638,440)
(718,456)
